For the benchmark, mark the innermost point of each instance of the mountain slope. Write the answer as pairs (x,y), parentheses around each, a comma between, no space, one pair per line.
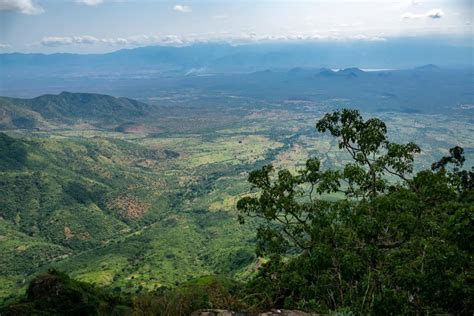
(67,108)
(106,211)
(60,198)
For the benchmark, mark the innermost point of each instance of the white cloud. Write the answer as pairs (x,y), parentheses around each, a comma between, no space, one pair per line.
(91,3)
(362,37)
(432,14)
(251,36)
(246,36)
(4,46)
(172,40)
(22,6)
(182,8)
(85,39)
(54,41)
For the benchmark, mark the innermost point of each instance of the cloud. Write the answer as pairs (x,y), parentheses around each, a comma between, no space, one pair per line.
(22,6)
(250,36)
(432,14)
(182,8)
(91,3)
(246,36)
(362,37)
(172,40)
(4,46)
(54,41)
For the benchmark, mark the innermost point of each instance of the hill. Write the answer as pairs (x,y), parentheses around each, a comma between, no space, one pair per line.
(110,211)
(59,198)
(67,109)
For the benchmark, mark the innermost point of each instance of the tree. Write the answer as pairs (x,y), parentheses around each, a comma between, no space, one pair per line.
(389,246)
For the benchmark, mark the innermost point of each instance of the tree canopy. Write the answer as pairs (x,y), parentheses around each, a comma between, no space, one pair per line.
(399,242)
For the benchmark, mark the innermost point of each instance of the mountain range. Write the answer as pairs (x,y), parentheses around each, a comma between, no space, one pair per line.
(226,58)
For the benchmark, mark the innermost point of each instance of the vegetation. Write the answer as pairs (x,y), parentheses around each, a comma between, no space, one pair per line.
(114,212)
(388,247)
(55,293)
(53,111)
(371,237)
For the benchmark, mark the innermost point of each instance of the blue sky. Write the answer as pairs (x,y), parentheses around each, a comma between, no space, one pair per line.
(88,26)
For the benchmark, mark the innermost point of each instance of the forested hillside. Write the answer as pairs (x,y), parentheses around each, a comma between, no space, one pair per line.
(107,200)
(67,109)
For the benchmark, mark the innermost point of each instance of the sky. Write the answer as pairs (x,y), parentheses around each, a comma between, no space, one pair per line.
(94,26)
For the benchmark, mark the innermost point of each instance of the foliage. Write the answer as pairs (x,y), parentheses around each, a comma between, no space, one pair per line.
(201,293)
(388,247)
(67,206)
(54,293)
(12,153)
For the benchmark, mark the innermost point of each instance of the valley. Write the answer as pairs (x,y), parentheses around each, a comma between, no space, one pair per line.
(147,199)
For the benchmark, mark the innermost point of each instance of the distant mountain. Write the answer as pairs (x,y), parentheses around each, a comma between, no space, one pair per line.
(66,109)
(390,90)
(428,67)
(351,72)
(327,72)
(225,58)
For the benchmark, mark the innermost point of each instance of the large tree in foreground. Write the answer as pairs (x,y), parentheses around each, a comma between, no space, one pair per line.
(399,242)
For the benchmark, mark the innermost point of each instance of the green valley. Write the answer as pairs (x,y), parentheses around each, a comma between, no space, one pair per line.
(154,206)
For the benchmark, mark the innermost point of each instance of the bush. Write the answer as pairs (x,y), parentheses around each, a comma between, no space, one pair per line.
(202,293)
(55,293)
